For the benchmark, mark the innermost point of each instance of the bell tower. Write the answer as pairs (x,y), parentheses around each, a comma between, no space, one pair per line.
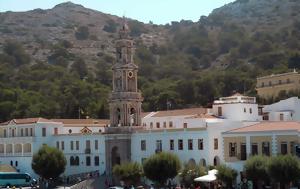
(125,100)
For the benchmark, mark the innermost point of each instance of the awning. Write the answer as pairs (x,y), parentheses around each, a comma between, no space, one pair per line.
(211,176)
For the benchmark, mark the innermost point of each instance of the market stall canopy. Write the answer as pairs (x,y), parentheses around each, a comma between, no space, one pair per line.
(211,176)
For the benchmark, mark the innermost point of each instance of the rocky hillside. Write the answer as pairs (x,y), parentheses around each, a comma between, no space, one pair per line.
(56,63)
(85,32)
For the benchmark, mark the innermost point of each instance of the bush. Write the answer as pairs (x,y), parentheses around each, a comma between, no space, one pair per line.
(130,172)
(48,162)
(161,167)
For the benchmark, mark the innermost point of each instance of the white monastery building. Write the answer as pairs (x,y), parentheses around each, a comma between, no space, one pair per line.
(228,133)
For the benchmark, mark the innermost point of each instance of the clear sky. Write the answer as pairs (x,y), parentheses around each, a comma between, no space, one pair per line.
(158,11)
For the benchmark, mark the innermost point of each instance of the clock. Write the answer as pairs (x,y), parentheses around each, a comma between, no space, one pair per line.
(130,74)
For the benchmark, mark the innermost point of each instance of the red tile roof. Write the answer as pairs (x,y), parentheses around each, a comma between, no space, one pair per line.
(180,112)
(26,121)
(268,126)
(203,116)
(67,122)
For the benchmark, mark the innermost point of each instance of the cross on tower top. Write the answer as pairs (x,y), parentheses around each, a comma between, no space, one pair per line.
(124,31)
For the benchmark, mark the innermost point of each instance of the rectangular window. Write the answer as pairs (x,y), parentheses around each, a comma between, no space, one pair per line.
(254,149)
(270,83)
(4,133)
(262,84)
(55,130)
(283,147)
(26,131)
(72,145)
(279,82)
(180,144)
(165,124)
(77,145)
(185,125)
(22,132)
(96,144)
(243,152)
(57,144)
(292,148)
(170,124)
(171,144)
(200,144)
(87,144)
(158,146)
(151,125)
(190,144)
(31,132)
(232,149)
(96,160)
(266,148)
(281,117)
(88,161)
(13,133)
(157,125)
(216,143)
(62,145)
(43,132)
(250,110)
(143,145)
(220,111)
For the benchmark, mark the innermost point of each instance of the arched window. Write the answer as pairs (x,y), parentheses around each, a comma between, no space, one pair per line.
(72,161)
(76,160)
(70,131)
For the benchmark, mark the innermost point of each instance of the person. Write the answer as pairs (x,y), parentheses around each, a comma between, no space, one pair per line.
(151,186)
(198,187)
(244,184)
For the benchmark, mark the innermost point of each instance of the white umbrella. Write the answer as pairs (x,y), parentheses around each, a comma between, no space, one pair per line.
(211,176)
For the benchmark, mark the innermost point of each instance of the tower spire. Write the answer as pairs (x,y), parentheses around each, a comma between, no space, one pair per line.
(125,100)
(124,31)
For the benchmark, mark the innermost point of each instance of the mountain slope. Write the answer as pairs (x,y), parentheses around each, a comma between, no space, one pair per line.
(56,62)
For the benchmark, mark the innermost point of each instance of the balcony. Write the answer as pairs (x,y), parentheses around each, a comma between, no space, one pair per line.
(125,95)
(87,151)
(123,129)
(11,140)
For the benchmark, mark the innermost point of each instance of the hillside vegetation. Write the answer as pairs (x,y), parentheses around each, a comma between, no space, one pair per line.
(56,63)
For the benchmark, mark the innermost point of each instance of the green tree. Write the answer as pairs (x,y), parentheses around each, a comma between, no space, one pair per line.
(15,53)
(227,175)
(48,162)
(130,172)
(79,67)
(284,169)
(189,172)
(256,169)
(161,166)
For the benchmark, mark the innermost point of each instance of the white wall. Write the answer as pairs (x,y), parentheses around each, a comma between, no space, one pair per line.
(184,155)
(288,105)
(236,111)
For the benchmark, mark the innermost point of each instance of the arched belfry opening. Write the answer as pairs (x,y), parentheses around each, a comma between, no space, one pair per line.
(118,114)
(132,117)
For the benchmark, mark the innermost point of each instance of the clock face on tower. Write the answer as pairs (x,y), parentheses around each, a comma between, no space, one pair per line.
(130,74)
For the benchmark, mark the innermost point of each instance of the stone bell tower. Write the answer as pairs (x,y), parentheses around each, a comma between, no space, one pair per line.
(125,100)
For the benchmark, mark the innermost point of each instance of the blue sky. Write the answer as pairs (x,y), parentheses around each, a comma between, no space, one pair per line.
(158,11)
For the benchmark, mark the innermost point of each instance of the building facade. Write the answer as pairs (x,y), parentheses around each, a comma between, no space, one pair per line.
(229,132)
(270,86)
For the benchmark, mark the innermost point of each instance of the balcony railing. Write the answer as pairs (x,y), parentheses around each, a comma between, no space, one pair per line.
(125,95)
